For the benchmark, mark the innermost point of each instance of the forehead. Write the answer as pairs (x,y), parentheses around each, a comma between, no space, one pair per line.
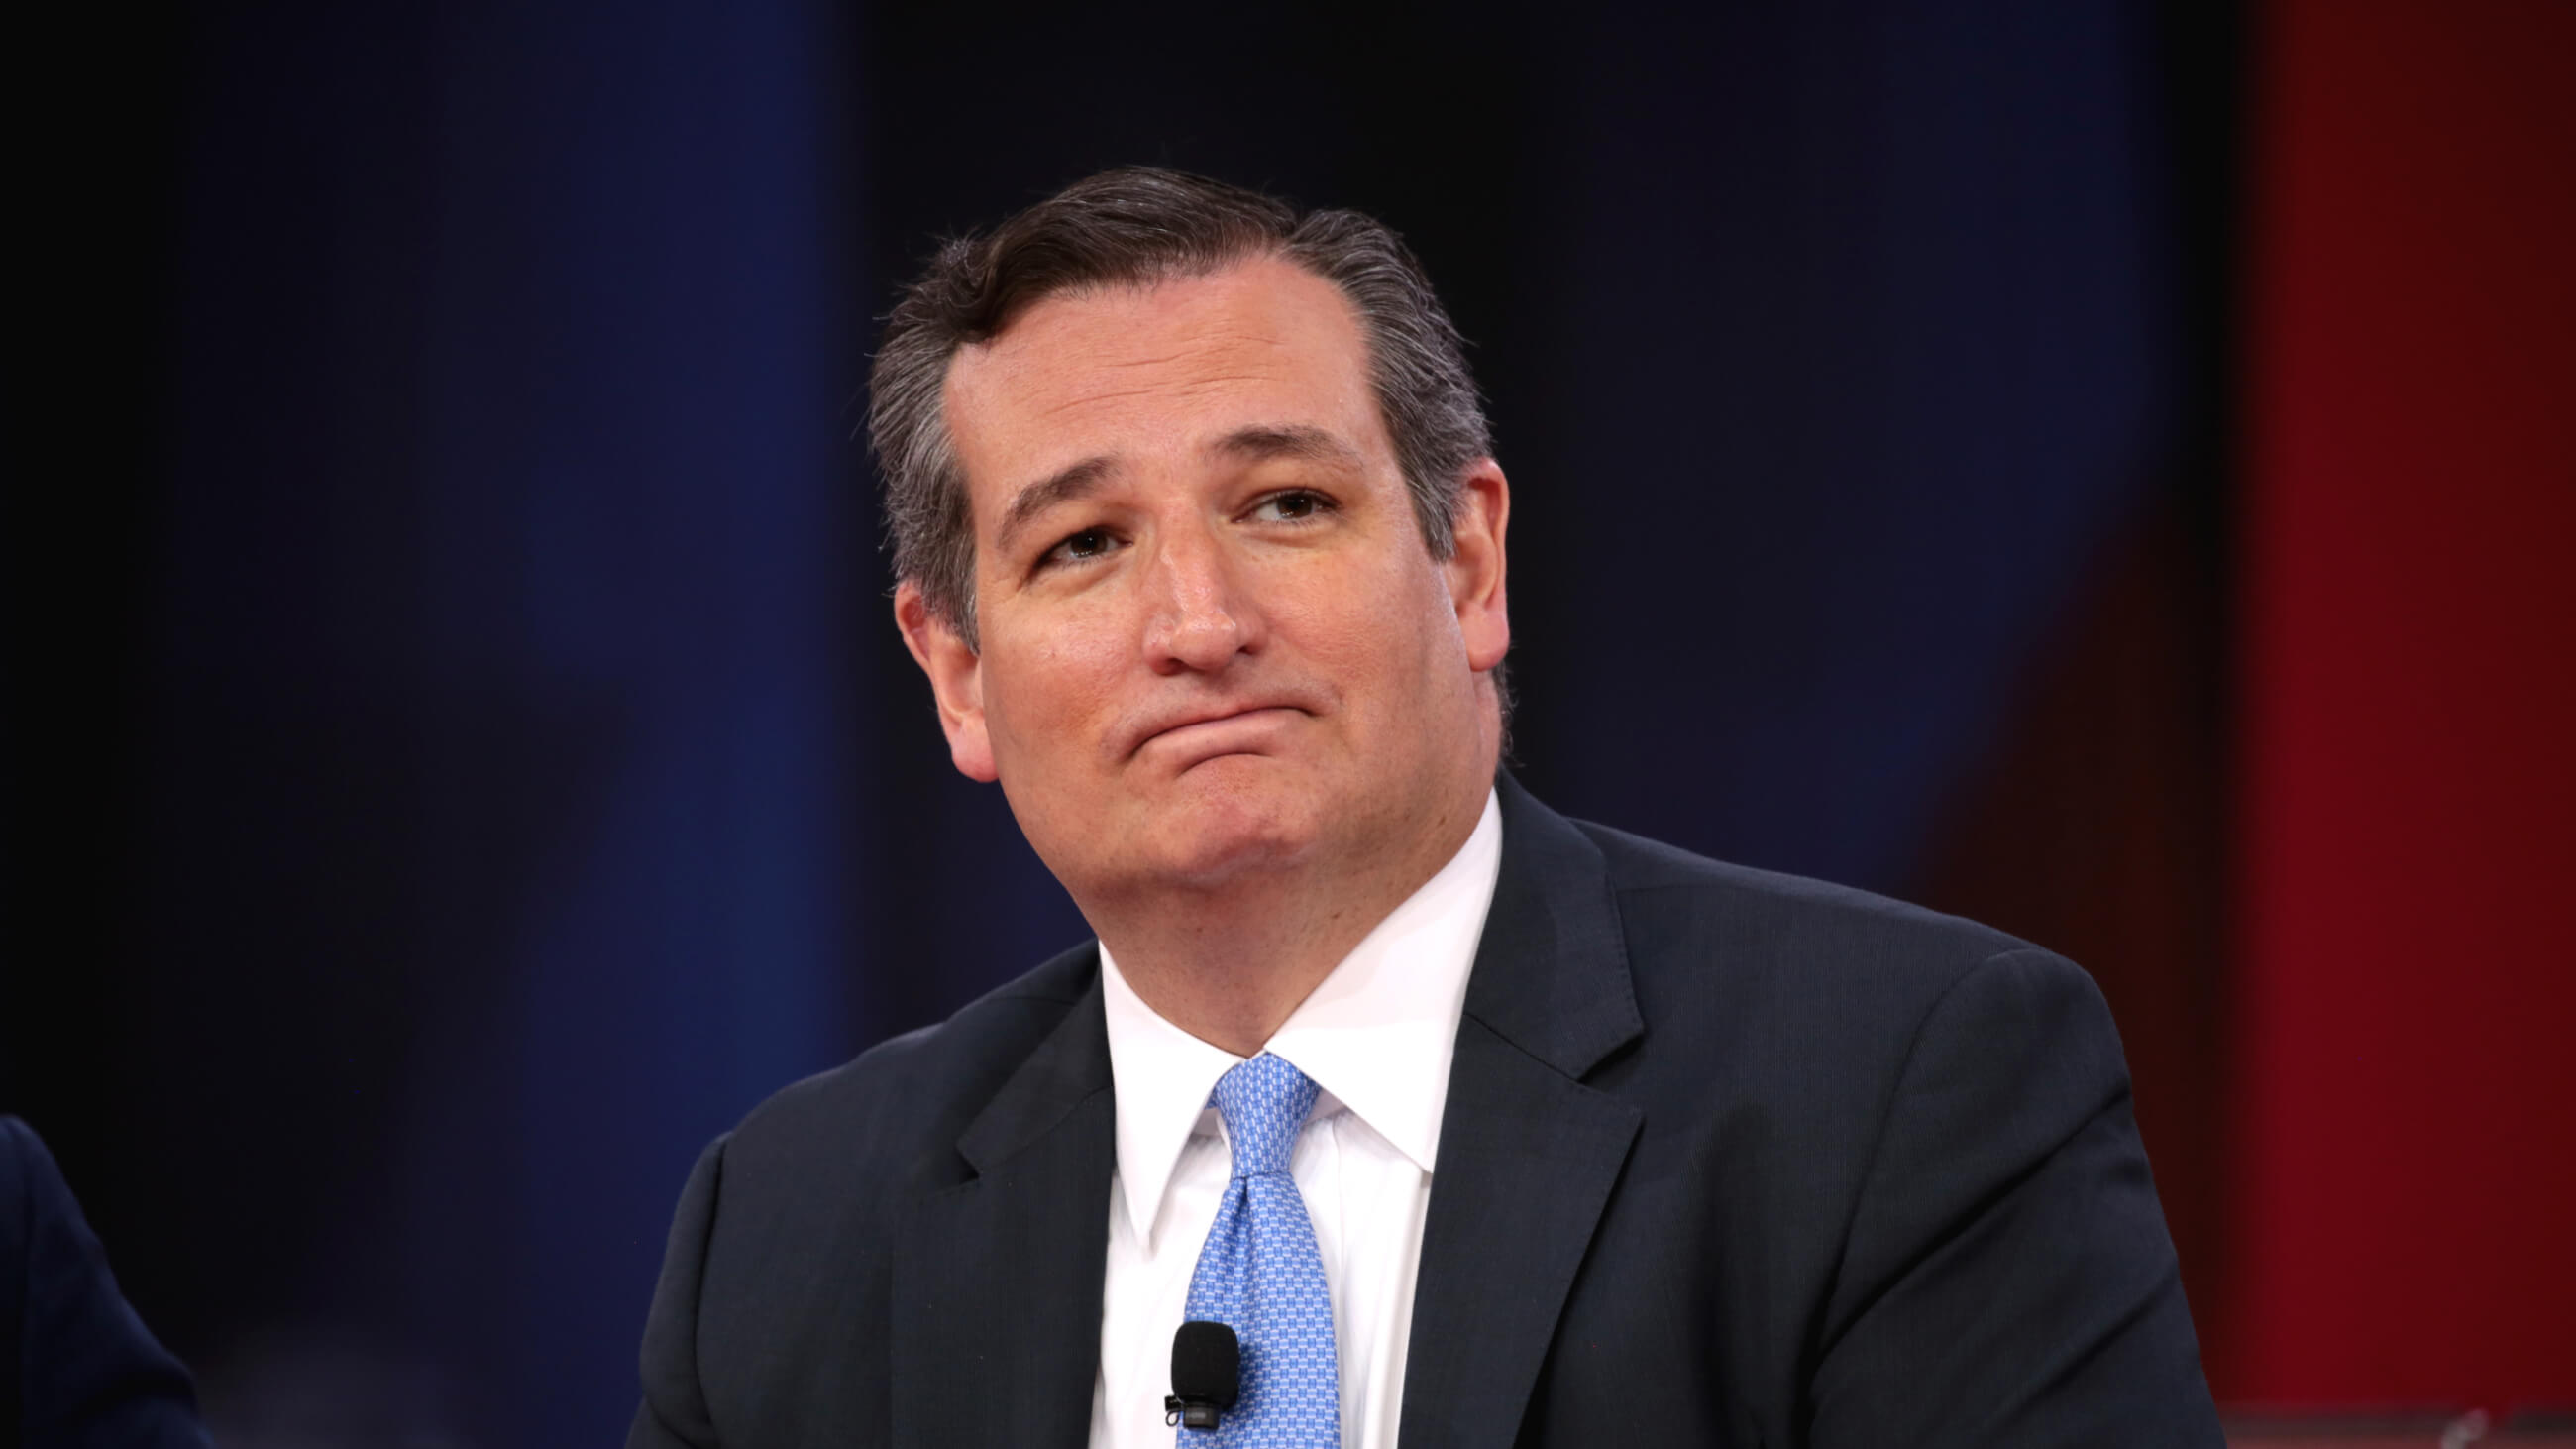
(1155,372)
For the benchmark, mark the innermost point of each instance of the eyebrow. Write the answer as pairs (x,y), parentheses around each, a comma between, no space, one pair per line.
(1248,445)
(1062,486)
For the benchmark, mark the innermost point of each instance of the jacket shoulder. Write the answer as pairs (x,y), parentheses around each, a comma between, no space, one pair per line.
(1843,972)
(1759,912)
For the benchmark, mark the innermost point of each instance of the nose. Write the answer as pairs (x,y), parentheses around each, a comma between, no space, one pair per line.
(1201,616)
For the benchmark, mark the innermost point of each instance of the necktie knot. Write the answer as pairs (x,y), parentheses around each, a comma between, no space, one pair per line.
(1264,1103)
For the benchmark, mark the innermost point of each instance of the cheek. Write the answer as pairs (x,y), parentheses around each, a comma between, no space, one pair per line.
(1052,694)
(1380,632)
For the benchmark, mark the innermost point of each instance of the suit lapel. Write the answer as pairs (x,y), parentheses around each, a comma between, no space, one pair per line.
(1528,1154)
(996,1291)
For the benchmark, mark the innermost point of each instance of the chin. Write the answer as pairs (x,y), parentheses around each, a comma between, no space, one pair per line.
(1236,820)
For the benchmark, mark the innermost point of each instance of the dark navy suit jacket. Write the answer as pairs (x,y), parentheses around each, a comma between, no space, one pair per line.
(77,1369)
(1729,1159)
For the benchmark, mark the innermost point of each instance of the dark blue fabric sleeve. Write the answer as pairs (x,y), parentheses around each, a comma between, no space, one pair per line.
(2008,1279)
(674,1413)
(80,1369)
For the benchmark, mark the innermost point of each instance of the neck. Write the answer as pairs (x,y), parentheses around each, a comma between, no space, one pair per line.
(1230,965)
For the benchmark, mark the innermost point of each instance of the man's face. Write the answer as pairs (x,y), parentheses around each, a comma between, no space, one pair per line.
(1212,639)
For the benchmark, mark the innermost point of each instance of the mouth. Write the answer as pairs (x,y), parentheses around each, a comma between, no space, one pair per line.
(1198,738)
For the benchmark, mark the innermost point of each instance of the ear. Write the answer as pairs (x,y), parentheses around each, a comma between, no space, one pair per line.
(1475,565)
(956,680)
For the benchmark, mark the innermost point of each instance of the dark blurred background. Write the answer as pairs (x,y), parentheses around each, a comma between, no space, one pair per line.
(2105,468)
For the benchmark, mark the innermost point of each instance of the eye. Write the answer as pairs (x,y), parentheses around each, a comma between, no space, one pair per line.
(1090,543)
(1296,505)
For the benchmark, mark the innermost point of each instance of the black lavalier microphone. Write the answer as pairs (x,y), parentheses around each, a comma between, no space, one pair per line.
(1206,1362)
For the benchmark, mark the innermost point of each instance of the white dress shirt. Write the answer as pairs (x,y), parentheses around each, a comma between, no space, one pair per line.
(1376,1036)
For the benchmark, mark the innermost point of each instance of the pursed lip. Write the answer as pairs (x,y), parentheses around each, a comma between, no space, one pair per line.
(1162,725)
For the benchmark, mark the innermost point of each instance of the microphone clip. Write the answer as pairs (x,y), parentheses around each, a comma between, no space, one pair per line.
(1207,1374)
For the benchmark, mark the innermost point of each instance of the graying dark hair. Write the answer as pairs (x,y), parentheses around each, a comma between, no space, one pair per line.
(1135,226)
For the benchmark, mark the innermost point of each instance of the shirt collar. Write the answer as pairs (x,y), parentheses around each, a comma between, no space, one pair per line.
(1377,1035)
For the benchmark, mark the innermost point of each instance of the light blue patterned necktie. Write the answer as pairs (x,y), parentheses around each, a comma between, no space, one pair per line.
(1261,1275)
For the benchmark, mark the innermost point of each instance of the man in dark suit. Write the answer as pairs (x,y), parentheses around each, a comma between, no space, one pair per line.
(1515,1130)
(77,1369)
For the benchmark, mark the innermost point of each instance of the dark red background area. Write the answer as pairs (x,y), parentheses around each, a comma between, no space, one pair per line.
(2404,1197)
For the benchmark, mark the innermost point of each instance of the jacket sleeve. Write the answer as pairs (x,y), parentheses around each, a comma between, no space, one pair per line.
(2007,1278)
(86,1372)
(674,1411)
